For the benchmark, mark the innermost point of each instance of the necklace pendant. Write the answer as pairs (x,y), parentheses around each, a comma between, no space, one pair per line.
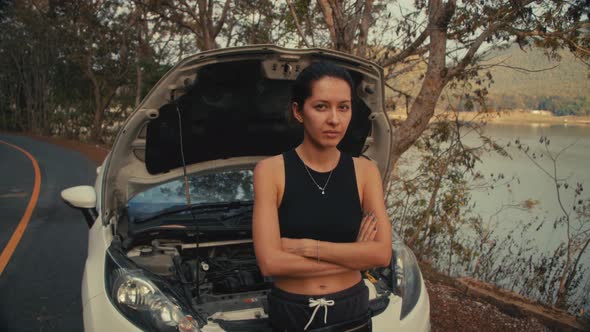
(322,189)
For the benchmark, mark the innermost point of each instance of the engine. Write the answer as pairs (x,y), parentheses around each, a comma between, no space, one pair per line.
(215,276)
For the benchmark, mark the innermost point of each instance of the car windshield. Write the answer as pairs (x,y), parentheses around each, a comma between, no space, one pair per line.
(210,189)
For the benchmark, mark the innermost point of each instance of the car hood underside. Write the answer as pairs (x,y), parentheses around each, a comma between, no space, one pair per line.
(234,110)
(228,108)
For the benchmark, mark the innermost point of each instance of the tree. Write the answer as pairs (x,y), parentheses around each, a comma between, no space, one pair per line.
(447,43)
(203,19)
(552,25)
(29,52)
(574,219)
(344,27)
(3,6)
(452,40)
(257,22)
(343,20)
(154,48)
(100,39)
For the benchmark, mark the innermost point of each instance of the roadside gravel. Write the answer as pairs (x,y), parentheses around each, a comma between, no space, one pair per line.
(453,310)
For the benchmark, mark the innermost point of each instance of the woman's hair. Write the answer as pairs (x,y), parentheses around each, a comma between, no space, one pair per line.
(301,88)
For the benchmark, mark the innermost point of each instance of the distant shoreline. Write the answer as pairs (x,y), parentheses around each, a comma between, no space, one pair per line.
(523,118)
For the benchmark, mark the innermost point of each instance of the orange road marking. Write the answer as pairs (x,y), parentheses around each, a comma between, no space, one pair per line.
(22,225)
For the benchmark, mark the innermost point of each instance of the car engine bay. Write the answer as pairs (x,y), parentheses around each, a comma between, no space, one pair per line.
(218,277)
(221,279)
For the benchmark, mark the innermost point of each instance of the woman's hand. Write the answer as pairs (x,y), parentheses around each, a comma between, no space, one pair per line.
(301,247)
(368,228)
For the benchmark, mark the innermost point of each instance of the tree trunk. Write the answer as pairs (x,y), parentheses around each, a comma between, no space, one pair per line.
(297,24)
(138,81)
(431,205)
(142,51)
(366,21)
(423,107)
(329,19)
(16,115)
(96,132)
(4,106)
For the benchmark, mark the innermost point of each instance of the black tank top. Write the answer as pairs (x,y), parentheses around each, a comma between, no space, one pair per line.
(304,212)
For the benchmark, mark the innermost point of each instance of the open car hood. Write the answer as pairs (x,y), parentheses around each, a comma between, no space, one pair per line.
(230,107)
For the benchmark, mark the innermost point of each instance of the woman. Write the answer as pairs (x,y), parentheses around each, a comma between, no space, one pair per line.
(309,230)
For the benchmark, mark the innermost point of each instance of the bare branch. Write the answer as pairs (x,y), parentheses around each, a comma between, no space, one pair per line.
(299,30)
(364,29)
(405,94)
(539,33)
(328,17)
(469,56)
(410,50)
(518,69)
(404,70)
(222,19)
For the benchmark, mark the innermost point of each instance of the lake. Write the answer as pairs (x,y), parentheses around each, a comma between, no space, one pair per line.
(523,180)
(531,183)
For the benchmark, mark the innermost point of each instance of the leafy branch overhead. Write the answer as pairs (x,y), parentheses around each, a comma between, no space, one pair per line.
(447,41)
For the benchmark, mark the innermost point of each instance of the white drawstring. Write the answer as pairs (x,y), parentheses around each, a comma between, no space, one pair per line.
(317,303)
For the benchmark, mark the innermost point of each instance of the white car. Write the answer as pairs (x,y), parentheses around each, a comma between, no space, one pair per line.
(163,258)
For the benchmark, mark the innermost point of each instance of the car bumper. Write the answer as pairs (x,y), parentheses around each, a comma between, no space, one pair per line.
(101,315)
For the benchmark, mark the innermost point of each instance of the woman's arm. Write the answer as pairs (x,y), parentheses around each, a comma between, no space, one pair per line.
(358,255)
(272,260)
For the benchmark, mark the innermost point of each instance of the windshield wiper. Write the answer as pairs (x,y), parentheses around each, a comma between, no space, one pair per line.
(201,208)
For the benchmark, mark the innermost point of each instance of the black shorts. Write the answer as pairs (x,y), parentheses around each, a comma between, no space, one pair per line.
(292,312)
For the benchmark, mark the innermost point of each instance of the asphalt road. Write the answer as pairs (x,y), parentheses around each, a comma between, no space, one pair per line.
(40,286)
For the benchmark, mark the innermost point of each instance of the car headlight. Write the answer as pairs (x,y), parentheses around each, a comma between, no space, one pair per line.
(139,299)
(407,277)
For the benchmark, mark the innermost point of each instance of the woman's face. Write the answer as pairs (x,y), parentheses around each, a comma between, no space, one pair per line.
(326,112)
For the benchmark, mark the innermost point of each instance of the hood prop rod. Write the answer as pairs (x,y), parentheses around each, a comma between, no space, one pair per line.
(188,198)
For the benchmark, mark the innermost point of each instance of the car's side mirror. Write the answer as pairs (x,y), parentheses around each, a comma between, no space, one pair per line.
(83,198)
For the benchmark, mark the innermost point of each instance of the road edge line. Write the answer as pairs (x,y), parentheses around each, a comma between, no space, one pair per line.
(22,225)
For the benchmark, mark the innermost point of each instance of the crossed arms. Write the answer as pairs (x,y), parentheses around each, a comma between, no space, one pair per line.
(278,256)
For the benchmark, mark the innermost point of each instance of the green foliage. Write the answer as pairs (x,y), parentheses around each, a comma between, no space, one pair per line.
(65,62)
(87,46)
(99,39)
(256,22)
(28,55)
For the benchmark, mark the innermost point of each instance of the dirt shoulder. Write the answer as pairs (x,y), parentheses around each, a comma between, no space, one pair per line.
(462,304)
(465,304)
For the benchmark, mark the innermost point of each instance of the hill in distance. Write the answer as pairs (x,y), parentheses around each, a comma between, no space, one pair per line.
(570,77)
(523,79)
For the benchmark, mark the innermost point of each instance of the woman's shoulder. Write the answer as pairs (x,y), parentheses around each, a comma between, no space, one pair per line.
(271,162)
(364,165)
(270,166)
(366,171)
